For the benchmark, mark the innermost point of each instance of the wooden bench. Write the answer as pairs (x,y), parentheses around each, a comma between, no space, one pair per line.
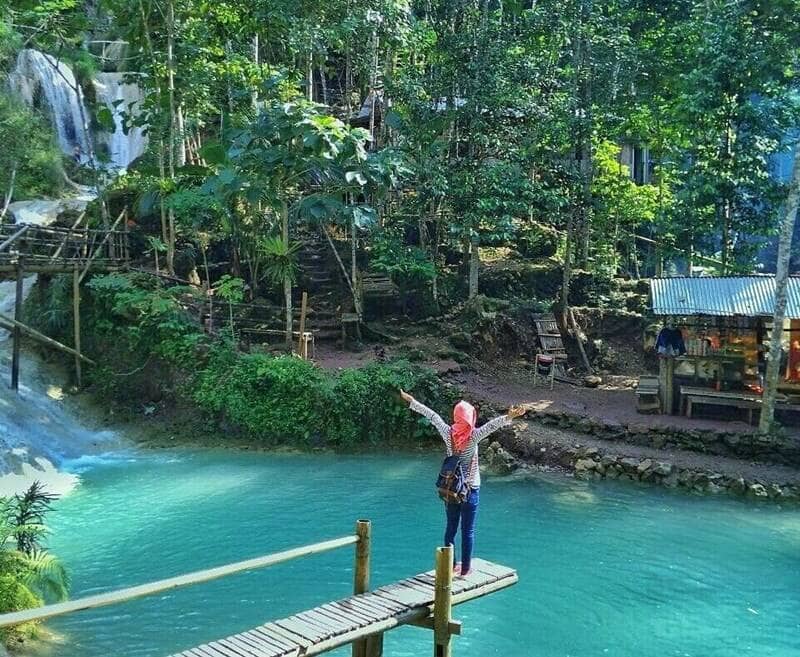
(407,602)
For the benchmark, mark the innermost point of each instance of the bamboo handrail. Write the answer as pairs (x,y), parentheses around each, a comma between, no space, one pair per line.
(102,243)
(133,592)
(14,237)
(67,236)
(12,323)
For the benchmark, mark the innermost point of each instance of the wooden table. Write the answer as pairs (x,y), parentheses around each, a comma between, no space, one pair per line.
(738,399)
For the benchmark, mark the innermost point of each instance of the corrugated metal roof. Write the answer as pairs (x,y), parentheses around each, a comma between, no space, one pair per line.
(722,296)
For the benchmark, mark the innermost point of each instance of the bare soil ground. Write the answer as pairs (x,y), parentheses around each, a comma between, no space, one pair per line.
(614,401)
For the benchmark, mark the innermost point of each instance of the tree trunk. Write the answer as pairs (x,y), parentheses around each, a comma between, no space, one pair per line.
(565,282)
(354,267)
(781,280)
(474,264)
(287,281)
(257,63)
(585,133)
(9,194)
(172,129)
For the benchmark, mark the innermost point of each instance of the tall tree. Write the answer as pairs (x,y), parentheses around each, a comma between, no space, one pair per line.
(781,280)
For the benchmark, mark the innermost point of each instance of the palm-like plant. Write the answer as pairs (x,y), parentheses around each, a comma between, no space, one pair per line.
(280,259)
(22,556)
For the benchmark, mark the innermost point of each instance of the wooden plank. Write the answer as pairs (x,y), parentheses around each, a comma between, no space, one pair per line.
(258,638)
(345,622)
(362,619)
(374,613)
(268,632)
(320,628)
(253,648)
(278,627)
(333,626)
(403,595)
(272,642)
(381,604)
(207,651)
(302,628)
(493,569)
(228,649)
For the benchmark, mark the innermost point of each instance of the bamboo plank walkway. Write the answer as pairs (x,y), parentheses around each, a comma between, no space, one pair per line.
(409,601)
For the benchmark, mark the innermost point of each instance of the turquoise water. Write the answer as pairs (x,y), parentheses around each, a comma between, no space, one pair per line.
(604,569)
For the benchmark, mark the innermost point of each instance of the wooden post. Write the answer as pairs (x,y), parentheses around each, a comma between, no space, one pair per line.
(666,370)
(126,240)
(361,571)
(302,347)
(443,602)
(76,323)
(17,331)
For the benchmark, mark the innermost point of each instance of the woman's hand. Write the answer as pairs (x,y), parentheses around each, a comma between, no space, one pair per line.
(516,411)
(406,397)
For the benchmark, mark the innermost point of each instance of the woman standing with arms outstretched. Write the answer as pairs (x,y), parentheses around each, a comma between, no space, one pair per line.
(462,438)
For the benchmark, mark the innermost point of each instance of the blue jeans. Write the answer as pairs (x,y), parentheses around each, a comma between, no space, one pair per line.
(465,513)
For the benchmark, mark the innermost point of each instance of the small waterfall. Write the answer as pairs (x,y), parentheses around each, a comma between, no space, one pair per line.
(121,98)
(39,78)
(36,432)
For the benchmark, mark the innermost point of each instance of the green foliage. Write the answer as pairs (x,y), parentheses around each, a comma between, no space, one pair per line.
(280,259)
(408,266)
(29,152)
(29,575)
(368,410)
(145,321)
(283,399)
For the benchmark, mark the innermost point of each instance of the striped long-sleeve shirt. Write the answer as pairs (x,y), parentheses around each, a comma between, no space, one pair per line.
(469,455)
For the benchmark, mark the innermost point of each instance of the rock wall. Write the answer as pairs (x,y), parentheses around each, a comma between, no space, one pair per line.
(750,446)
(518,452)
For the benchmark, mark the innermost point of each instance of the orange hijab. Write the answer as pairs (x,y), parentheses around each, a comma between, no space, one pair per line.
(464,418)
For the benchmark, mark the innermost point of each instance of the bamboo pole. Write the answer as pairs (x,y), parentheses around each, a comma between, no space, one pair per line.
(14,237)
(443,602)
(302,345)
(77,223)
(17,332)
(133,592)
(8,322)
(108,234)
(76,322)
(361,572)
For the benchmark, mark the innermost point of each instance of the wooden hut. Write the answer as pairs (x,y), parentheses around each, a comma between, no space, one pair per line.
(714,341)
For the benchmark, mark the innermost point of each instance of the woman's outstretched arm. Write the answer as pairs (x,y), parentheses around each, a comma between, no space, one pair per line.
(481,433)
(436,420)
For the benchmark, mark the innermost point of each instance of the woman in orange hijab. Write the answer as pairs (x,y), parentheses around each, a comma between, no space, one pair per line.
(462,438)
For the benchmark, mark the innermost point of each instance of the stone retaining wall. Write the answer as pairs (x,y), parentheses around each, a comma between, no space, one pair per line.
(520,452)
(750,446)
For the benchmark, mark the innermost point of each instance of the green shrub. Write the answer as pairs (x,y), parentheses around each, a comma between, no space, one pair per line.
(15,596)
(272,398)
(369,410)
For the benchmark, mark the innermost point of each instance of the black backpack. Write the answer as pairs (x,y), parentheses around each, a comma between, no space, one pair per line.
(451,483)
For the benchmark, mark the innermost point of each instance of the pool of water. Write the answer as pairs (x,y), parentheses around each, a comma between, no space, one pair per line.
(604,569)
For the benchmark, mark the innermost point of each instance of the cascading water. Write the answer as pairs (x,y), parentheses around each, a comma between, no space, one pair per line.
(36,433)
(121,98)
(39,77)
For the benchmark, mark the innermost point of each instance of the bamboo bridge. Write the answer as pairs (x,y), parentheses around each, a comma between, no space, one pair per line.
(33,249)
(425,600)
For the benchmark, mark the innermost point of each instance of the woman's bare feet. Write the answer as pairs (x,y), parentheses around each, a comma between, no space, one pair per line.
(457,569)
